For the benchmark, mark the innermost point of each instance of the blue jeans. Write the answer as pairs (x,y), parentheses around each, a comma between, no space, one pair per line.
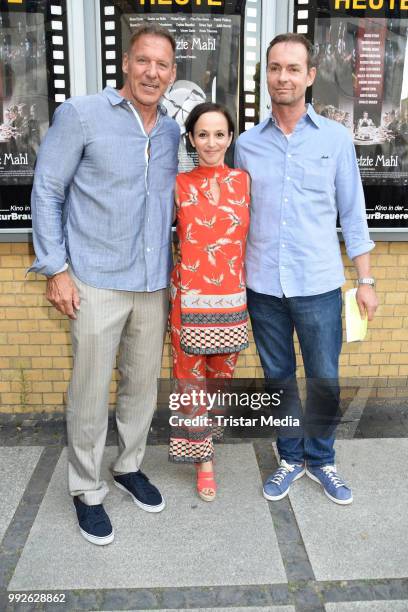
(317,321)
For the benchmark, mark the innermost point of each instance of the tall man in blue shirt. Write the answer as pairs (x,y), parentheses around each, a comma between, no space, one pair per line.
(102,207)
(304,173)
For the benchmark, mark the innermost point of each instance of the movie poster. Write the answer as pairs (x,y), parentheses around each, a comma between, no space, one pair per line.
(362,82)
(366,60)
(209,42)
(207,59)
(23,95)
(34,79)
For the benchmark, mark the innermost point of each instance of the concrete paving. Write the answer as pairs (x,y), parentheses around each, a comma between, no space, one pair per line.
(369,538)
(17,466)
(368,606)
(192,543)
(230,555)
(240,609)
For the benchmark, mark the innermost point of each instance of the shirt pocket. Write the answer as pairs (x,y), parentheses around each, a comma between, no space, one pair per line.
(319,174)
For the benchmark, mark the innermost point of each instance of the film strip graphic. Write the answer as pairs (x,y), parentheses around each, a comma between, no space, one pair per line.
(59,84)
(251,58)
(56,40)
(110,45)
(305,12)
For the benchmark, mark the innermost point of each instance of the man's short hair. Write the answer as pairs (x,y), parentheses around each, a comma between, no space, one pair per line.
(151,29)
(292,37)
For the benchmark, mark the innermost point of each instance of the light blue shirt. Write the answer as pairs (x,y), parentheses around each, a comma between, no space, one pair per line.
(102,198)
(299,186)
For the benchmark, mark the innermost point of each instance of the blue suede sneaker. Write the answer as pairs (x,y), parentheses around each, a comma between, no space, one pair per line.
(334,487)
(141,490)
(278,484)
(94,523)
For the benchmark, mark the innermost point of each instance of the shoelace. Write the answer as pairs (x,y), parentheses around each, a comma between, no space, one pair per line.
(282,472)
(331,473)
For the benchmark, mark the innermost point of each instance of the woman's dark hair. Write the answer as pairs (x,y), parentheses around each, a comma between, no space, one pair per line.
(208,107)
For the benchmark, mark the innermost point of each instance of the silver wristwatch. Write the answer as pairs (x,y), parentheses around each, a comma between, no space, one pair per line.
(366,281)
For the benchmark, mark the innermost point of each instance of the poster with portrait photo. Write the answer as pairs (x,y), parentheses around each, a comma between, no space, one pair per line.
(362,82)
(24,107)
(207,57)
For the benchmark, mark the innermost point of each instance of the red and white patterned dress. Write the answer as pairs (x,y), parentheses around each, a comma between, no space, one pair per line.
(208,315)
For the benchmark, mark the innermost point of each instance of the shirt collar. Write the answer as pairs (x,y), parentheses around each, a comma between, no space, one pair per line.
(212,171)
(115,98)
(313,116)
(310,113)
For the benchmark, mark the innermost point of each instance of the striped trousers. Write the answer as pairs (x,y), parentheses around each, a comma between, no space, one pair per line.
(133,325)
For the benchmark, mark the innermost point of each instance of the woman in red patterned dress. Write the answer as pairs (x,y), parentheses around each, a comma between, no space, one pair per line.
(208,316)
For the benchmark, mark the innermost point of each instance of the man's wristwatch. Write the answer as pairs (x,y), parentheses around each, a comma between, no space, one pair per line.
(366,281)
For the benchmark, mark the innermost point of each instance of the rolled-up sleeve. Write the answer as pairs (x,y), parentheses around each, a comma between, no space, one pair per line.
(58,158)
(351,203)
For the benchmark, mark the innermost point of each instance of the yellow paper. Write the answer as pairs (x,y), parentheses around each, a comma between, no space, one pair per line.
(356,327)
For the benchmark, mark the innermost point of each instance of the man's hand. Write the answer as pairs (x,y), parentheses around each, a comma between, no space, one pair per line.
(367,301)
(63,294)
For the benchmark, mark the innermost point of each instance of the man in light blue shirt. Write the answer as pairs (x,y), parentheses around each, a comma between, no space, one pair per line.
(102,206)
(304,174)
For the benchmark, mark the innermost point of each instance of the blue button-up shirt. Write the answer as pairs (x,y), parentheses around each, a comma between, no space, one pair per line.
(102,197)
(299,186)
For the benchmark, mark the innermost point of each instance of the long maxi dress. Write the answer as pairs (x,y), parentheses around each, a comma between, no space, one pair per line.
(208,316)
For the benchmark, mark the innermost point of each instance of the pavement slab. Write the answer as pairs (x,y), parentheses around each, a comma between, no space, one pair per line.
(368,606)
(369,538)
(235,609)
(17,466)
(230,541)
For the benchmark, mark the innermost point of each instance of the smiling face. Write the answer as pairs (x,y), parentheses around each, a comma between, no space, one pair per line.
(288,75)
(211,138)
(149,68)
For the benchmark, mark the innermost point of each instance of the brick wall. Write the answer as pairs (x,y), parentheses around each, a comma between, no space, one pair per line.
(36,356)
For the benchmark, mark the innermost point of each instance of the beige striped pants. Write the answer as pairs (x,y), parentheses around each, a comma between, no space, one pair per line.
(109,321)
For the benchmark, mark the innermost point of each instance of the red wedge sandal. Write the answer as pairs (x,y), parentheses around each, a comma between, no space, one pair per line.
(205,480)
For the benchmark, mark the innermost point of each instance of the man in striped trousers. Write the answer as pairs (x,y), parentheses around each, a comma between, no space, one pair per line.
(102,205)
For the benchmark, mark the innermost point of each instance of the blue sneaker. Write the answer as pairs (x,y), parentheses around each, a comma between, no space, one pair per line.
(278,484)
(144,494)
(94,523)
(334,487)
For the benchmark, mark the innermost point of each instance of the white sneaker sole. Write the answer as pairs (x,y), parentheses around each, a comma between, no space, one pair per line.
(278,497)
(96,540)
(145,507)
(341,502)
